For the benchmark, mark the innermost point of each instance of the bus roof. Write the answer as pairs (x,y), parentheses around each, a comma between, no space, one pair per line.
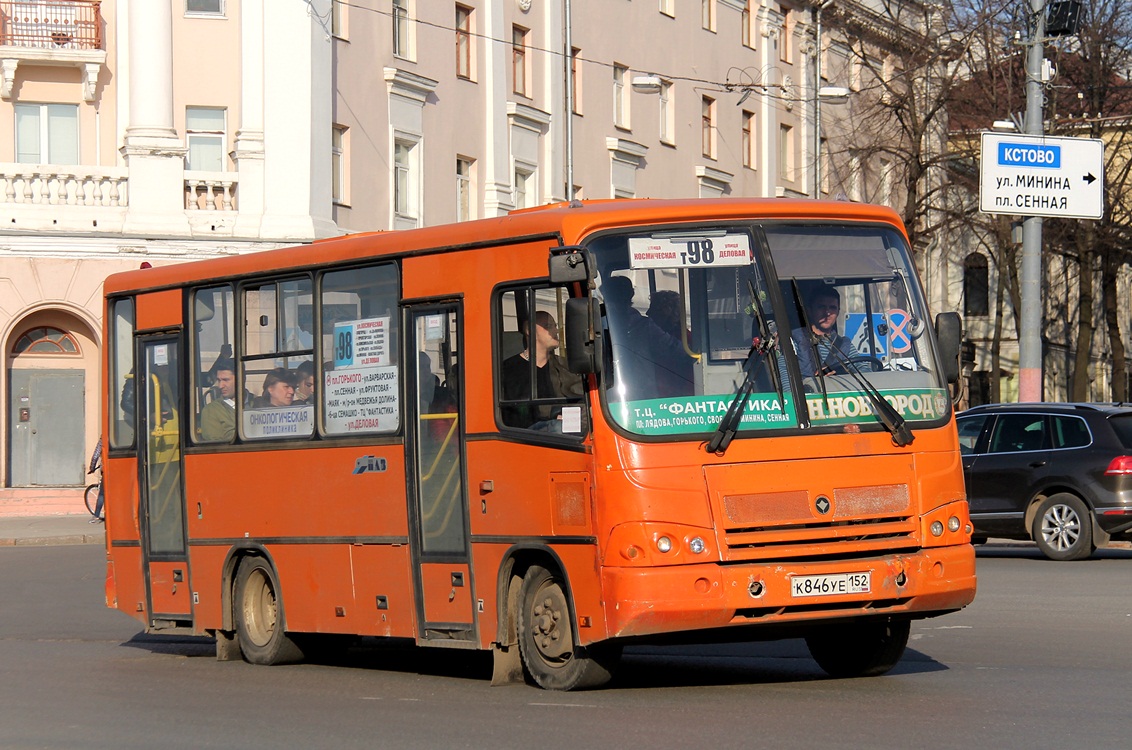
(569,221)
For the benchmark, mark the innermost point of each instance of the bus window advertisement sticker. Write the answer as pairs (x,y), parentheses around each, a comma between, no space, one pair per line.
(362,399)
(674,416)
(689,252)
(275,422)
(361,343)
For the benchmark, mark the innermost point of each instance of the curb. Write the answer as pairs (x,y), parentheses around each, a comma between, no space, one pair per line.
(47,541)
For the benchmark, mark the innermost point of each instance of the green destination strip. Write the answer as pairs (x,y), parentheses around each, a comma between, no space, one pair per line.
(692,414)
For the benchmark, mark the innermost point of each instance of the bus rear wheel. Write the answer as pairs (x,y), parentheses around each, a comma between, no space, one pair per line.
(859,649)
(258,615)
(546,638)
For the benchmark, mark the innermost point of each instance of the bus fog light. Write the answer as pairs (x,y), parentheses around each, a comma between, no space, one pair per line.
(953,524)
(937,528)
(664,544)
(696,545)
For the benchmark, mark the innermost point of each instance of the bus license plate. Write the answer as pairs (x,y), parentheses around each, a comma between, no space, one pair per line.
(831,585)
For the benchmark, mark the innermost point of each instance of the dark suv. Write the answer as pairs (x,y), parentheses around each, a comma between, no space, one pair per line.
(1060,474)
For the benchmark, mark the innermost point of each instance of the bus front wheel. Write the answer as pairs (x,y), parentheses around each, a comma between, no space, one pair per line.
(859,649)
(258,615)
(546,638)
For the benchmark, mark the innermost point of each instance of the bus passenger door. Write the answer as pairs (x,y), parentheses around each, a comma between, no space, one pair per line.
(437,495)
(162,515)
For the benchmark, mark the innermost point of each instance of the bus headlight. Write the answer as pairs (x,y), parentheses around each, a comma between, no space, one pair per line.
(696,545)
(953,524)
(664,544)
(936,528)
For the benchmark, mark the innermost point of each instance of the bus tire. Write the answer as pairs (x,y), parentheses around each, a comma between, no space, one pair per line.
(546,638)
(1063,528)
(859,649)
(258,613)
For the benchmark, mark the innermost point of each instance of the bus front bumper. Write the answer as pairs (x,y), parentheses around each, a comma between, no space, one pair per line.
(656,600)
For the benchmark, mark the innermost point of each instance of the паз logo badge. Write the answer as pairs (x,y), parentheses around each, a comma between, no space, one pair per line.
(369,463)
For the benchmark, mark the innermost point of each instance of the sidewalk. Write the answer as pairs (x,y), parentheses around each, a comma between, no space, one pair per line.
(48,530)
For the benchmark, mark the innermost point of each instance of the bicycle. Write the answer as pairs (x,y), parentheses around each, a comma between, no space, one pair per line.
(90,496)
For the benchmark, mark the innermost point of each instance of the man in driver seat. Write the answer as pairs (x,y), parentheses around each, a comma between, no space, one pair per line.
(823,305)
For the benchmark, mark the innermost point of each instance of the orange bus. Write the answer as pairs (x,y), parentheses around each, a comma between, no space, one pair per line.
(549,434)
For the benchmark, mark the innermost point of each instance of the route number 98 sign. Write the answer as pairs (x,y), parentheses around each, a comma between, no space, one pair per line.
(690,252)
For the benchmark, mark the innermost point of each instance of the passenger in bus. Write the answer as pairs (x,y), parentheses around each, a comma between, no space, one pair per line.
(552,378)
(218,417)
(653,361)
(278,389)
(304,382)
(823,306)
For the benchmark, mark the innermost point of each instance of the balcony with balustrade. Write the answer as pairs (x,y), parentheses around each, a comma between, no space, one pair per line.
(56,33)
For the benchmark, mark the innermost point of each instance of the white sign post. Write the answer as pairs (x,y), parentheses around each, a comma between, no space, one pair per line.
(1035,175)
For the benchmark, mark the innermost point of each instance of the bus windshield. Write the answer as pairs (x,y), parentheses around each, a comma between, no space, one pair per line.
(812,324)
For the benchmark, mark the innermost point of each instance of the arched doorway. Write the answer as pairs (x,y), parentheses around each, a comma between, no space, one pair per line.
(50,363)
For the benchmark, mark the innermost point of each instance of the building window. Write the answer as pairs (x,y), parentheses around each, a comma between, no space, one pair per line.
(786,152)
(526,190)
(47,133)
(667,114)
(823,159)
(707,14)
(576,80)
(620,97)
(668,7)
(205,136)
(464,42)
(707,128)
(338,141)
(211,7)
(464,189)
(749,139)
(45,340)
(519,60)
(885,182)
(406,182)
(402,30)
(745,26)
(786,37)
(976,285)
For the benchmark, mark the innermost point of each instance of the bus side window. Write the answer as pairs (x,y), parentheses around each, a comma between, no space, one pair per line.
(213,372)
(536,391)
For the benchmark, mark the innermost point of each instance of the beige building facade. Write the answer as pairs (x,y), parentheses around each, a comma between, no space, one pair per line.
(158,131)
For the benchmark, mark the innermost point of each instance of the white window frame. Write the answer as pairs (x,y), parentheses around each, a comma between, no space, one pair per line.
(405,191)
(749,138)
(206,12)
(520,61)
(707,14)
(339,147)
(708,126)
(668,8)
(524,185)
(786,146)
(465,188)
(667,113)
(217,138)
(47,133)
(620,97)
(403,40)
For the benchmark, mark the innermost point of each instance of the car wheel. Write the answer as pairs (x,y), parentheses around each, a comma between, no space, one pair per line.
(1063,528)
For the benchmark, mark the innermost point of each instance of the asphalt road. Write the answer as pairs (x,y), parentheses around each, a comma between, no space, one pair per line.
(1042,659)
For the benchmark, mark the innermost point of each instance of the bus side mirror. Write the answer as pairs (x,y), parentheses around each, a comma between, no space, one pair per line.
(569,264)
(582,348)
(949,333)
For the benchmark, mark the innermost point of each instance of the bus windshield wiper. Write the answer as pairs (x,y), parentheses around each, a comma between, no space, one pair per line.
(812,340)
(762,346)
(884,411)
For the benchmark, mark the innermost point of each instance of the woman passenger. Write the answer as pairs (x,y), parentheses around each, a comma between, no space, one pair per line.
(278,388)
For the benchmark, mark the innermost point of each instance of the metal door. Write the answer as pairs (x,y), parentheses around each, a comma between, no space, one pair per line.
(437,482)
(46,414)
(162,489)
